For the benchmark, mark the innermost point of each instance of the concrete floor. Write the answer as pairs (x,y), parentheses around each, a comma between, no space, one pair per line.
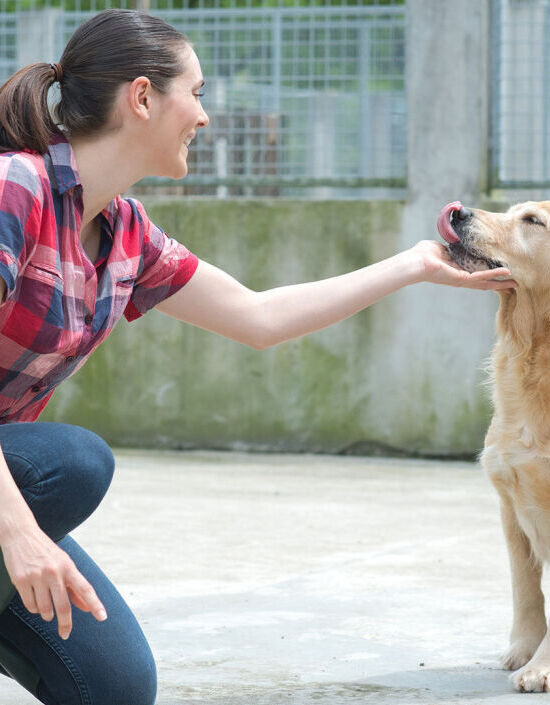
(273,579)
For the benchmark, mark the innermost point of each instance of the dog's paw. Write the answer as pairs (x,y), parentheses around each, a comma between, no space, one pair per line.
(532,678)
(520,652)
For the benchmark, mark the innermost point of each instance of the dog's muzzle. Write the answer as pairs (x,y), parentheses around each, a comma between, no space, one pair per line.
(453,226)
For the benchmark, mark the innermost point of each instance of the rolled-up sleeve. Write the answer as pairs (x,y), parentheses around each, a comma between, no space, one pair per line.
(167,267)
(21,202)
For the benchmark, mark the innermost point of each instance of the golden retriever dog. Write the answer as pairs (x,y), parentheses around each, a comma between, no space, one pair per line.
(517,446)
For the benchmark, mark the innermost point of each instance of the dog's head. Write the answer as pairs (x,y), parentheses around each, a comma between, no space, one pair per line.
(518,239)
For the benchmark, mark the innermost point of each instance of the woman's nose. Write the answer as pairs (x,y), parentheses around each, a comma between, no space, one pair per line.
(203,119)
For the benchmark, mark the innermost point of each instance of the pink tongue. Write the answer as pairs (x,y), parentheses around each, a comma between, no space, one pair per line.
(444,222)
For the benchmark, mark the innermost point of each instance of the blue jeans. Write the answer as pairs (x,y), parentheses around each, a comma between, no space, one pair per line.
(63,472)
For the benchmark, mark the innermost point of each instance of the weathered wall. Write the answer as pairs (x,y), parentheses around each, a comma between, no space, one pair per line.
(158,382)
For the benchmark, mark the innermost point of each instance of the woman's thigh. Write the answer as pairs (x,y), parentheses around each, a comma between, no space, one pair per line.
(101,663)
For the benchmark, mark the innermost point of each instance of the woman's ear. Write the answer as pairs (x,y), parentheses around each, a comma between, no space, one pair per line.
(140,97)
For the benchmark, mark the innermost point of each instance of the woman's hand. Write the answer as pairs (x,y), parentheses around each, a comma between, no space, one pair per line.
(47,578)
(438,268)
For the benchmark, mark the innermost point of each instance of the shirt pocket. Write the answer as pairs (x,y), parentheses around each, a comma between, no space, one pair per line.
(44,272)
(126,281)
(41,294)
(124,286)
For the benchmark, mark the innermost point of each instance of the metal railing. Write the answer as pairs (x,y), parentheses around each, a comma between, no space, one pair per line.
(300,95)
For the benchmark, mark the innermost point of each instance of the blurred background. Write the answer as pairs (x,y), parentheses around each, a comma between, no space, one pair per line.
(338,130)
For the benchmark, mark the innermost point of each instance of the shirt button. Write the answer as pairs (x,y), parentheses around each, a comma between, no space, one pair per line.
(36,388)
(88,320)
(70,358)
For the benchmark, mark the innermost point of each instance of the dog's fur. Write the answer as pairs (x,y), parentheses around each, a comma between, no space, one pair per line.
(517,447)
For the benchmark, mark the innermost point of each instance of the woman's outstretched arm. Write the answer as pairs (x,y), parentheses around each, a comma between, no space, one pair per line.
(216,301)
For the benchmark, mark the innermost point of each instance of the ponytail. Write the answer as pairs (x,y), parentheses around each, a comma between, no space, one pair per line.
(25,120)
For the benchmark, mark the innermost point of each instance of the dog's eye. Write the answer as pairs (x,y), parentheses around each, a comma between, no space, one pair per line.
(533,220)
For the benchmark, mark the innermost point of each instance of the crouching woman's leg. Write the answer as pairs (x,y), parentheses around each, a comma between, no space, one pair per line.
(63,472)
(101,663)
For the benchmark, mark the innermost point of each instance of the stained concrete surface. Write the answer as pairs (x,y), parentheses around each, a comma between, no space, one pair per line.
(274,579)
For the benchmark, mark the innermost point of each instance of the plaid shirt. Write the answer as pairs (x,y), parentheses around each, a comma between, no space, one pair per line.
(59,306)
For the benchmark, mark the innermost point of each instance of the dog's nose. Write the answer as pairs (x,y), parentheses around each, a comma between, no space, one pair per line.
(463,214)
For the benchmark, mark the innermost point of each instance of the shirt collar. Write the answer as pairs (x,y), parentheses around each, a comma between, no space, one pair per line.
(64,163)
(65,172)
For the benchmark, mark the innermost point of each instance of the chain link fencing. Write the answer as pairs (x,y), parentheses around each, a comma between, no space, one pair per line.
(304,98)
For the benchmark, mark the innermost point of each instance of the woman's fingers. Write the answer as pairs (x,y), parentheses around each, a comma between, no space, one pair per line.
(86,595)
(492,285)
(77,600)
(492,273)
(43,601)
(76,589)
(493,279)
(62,609)
(27,597)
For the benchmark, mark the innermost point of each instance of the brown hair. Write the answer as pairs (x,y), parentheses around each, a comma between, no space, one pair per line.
(111,48)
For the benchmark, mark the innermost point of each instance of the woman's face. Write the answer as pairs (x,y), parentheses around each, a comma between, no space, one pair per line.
(178,116)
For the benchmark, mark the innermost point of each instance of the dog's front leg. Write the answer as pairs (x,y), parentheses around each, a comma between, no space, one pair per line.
(529,624)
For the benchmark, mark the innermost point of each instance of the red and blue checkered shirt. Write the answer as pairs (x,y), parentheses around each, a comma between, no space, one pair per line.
(59,306)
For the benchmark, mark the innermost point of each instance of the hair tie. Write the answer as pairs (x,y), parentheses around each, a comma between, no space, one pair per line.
(58,71)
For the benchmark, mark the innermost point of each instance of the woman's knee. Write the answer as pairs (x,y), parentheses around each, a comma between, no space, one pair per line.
(63,471)
(93,461)
(83,460)
(86,464)
(130,679)
(39,452)
(132,685)
(141,686)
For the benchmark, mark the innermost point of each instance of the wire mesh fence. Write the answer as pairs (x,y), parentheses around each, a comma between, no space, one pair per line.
(303,96)
(307,97)
(520,120)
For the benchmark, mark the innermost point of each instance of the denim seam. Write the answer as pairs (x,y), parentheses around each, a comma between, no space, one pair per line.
(58,649)
(40,482)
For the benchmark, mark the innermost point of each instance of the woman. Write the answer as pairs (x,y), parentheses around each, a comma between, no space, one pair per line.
(74,257)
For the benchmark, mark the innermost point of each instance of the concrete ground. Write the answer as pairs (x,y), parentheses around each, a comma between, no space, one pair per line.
(274,579)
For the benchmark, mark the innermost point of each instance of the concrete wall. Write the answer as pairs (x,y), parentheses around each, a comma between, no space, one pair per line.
(404,374)
(356,386)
